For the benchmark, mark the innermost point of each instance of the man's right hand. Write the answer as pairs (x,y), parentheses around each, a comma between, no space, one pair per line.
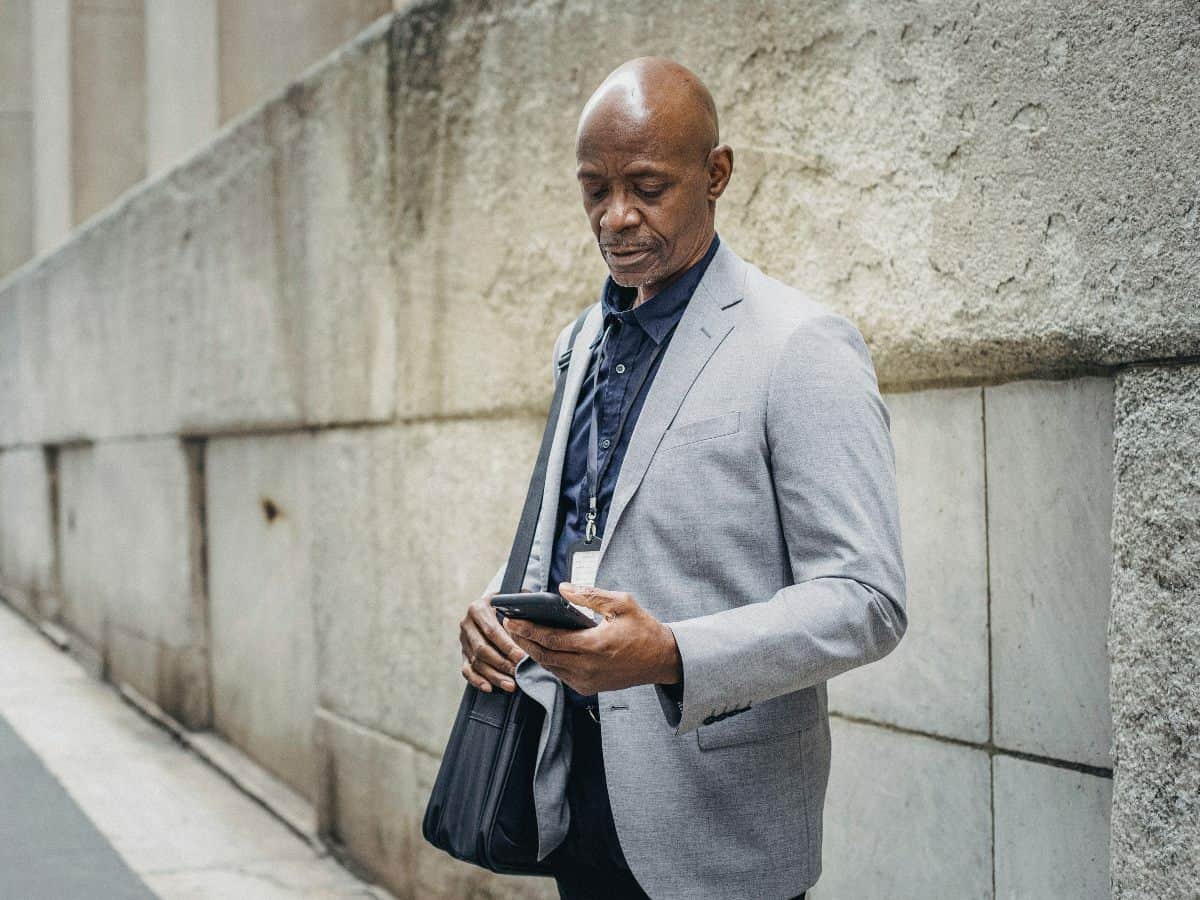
(490,656)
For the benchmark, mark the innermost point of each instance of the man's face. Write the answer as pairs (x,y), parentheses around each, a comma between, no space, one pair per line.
(647,199)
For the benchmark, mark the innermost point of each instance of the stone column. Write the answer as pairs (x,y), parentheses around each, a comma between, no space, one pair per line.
(1154,632)
(107,102)
(181,78)
(16,135)
(51,28)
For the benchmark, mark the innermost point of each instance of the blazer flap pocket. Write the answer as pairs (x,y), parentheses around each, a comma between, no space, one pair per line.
(778,716)
(690,432)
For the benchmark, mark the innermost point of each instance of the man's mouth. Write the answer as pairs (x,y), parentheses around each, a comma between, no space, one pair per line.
(627,254)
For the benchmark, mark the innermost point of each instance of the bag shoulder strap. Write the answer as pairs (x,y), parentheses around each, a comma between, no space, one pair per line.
(518,556)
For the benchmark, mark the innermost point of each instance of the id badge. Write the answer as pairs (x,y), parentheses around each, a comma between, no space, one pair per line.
(583,559)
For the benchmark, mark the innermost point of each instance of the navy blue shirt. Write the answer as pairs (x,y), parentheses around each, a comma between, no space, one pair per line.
(636,331)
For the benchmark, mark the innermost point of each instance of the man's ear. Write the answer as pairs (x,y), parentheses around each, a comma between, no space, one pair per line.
(720,169)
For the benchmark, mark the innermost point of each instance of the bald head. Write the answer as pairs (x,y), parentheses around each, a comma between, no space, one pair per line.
(651,169)
(653,92)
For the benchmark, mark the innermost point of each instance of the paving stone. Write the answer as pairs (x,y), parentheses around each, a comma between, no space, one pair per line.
(1050,476)
(178,824)
(936,680)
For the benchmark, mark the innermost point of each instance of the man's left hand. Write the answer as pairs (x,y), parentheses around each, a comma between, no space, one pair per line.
(629,647)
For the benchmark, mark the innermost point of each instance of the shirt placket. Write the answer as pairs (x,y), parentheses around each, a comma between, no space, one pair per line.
(618,368)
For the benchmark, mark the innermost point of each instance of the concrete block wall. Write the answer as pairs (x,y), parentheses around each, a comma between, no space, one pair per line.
(130,551)
(964,747)
(266,422)
(28,561)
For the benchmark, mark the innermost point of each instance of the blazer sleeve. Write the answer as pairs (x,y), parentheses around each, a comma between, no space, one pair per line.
(832,462)
(560,345)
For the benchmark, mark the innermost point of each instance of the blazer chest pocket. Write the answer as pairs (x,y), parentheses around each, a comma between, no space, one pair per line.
(702,430)
(778,716)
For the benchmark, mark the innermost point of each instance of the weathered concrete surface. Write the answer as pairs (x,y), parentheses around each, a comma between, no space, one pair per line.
(949,175)
(1154,633)
(1051,832)
(937,679)
(129,535)
(906,816)
(27,556)
(251,287)
(937,173)
(403,542)
(372,797)
(258,526)
(1049,477)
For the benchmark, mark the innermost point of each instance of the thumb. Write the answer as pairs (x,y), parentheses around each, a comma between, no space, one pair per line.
(607,603)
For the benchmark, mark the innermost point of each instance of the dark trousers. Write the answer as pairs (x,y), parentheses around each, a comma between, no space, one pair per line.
(589,864)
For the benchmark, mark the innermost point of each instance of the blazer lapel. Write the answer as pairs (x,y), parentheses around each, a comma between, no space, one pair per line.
(705,322)
(543,543)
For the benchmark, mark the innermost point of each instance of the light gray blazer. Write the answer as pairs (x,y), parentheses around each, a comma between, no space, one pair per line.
(755,513)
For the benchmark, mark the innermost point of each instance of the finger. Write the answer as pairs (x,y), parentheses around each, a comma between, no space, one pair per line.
(475,644)
(550,658)
(561,639)
(487,622)
(479,650)
(599,599)
(494,676)
(475,679)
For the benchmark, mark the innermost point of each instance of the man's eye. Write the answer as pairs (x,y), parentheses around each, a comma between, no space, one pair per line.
(650,193)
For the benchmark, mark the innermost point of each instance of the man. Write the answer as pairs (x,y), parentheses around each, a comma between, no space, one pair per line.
(722,486)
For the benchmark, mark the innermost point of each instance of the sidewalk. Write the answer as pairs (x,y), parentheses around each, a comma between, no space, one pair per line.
(96,802)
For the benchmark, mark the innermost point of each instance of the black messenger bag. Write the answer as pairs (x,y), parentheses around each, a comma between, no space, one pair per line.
(481,809)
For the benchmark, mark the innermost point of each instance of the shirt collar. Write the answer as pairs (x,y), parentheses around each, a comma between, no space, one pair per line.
(662,311)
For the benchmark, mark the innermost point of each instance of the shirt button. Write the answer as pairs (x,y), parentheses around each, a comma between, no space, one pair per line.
(620,368)
(604,443)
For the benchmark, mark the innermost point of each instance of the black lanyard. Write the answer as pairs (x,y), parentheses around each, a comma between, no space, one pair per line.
(594,476)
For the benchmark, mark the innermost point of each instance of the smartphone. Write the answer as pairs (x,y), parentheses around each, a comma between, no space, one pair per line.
(545,608)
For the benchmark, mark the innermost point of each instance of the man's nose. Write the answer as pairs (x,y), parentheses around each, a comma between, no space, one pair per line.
(621,214)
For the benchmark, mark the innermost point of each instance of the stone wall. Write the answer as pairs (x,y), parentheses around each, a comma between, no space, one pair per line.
(237,409)
(979,750)
(110,91)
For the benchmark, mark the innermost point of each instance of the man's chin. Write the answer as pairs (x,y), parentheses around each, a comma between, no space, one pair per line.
(627,279)
(643,276)
(640,270)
